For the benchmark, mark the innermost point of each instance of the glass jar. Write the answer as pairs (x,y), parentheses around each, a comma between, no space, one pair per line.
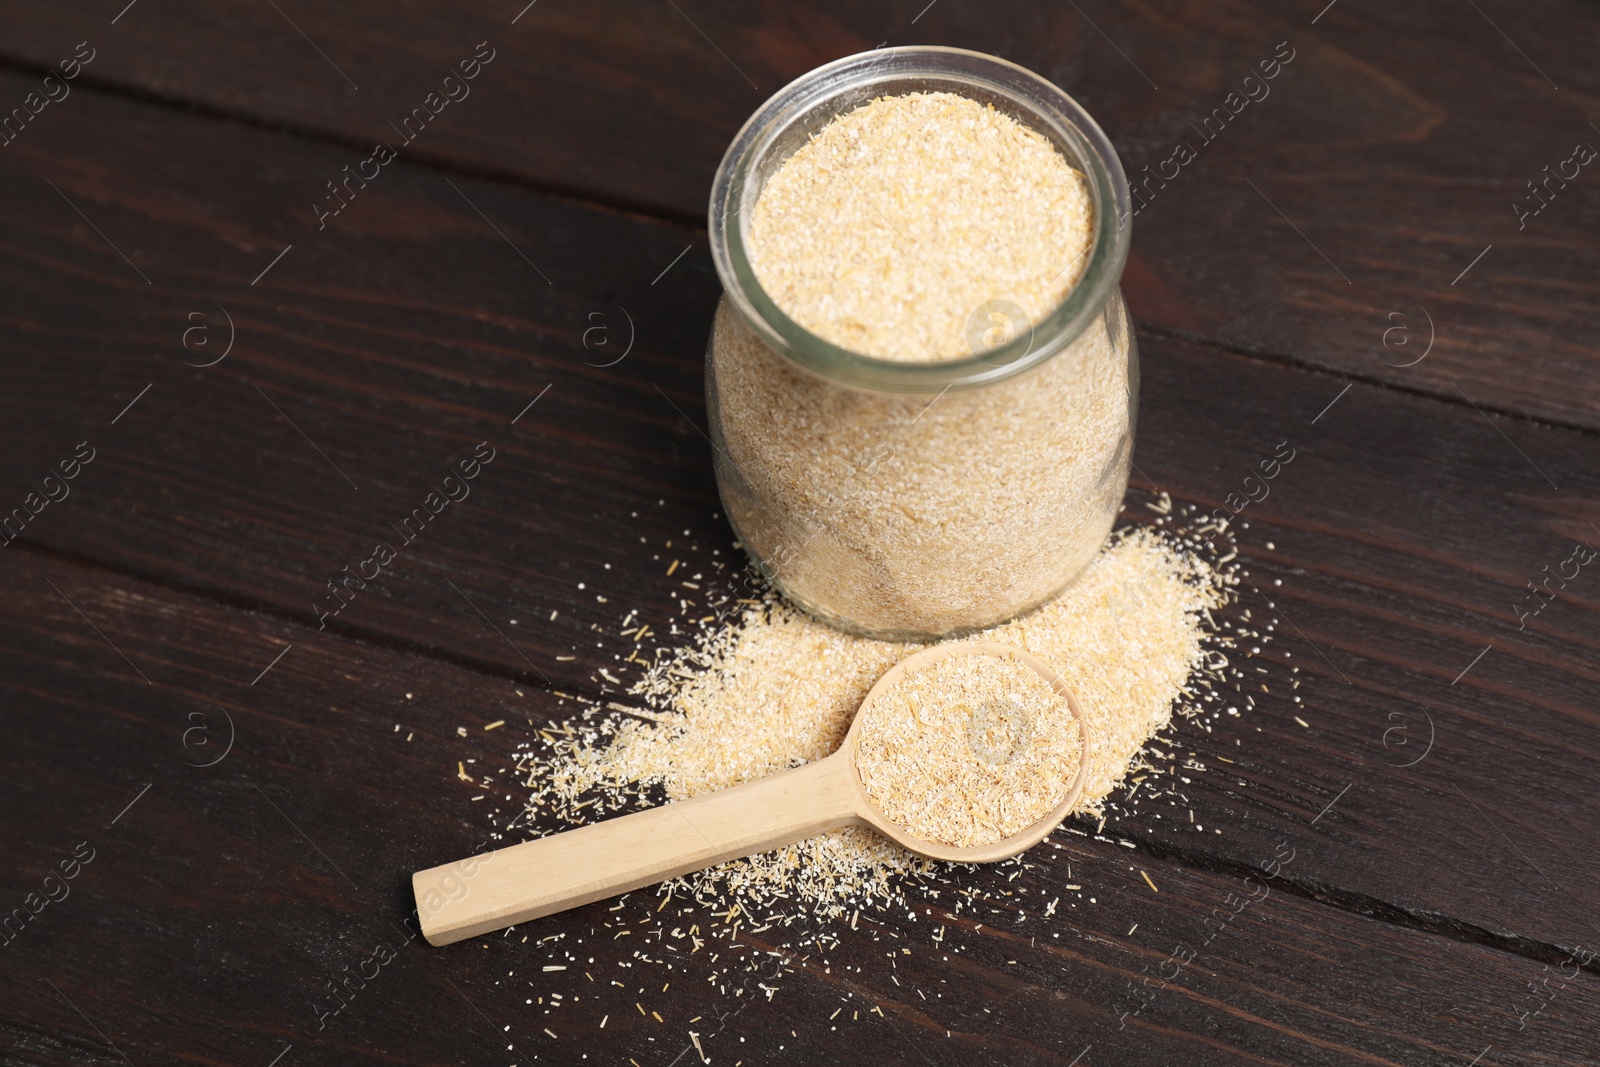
(915,500)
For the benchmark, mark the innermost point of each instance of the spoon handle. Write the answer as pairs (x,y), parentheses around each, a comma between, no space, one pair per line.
(513,885)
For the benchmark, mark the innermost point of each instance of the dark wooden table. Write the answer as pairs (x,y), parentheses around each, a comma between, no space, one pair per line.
(1353,263)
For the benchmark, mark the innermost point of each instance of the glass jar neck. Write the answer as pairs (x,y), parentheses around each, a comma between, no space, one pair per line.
(803,108)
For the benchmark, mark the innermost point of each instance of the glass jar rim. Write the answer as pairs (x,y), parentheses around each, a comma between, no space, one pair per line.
(1038,103)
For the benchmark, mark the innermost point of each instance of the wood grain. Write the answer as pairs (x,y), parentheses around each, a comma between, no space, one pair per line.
(223,900)
(384,349)
(1330,223)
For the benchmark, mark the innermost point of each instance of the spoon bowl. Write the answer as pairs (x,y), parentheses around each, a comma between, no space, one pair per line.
(511,885)
(1006,847)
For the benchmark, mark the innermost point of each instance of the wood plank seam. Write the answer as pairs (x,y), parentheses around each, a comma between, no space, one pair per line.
(1362,904)
(1286,359)
(222,598)
(422,157)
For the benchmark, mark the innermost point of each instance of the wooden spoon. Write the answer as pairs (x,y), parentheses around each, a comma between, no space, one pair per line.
(513,885)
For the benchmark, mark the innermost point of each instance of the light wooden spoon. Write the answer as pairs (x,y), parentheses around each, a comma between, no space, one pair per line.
(513,885)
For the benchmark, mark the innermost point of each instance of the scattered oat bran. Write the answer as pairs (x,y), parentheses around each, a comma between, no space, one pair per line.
(889,227)
(967,750)
(800,929)
(774,688)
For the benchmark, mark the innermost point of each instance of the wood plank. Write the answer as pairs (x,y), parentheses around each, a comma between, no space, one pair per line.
(1339,237)
(401,337)
(226,891)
